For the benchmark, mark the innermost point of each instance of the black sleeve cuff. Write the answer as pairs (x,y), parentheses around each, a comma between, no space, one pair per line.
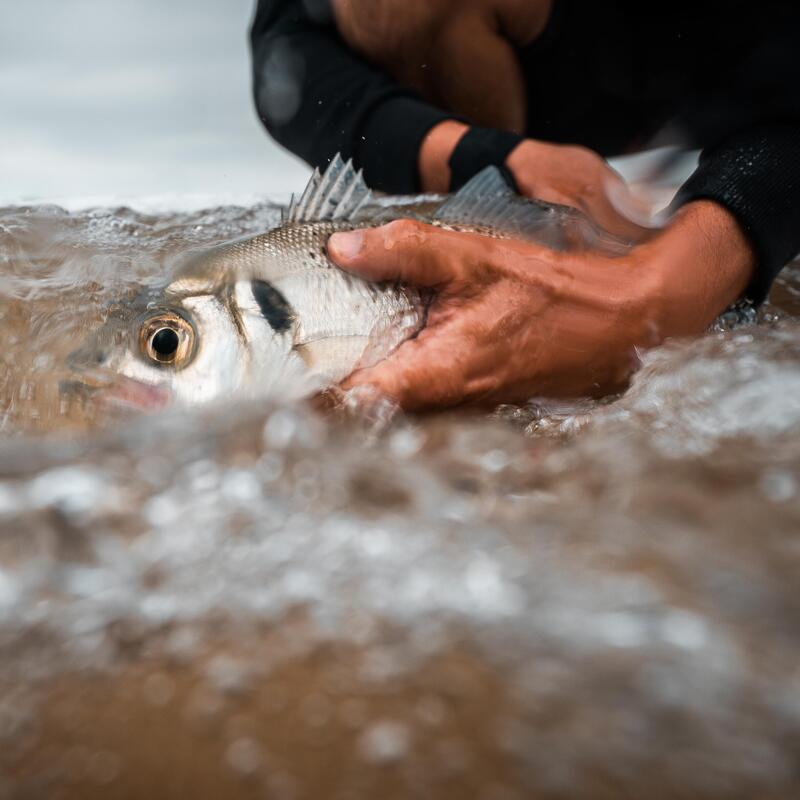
(756,175)
(479,148)
(391,136)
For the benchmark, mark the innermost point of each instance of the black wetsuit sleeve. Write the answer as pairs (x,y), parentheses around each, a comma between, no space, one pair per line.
(755,174)
(318,98)
(750,130)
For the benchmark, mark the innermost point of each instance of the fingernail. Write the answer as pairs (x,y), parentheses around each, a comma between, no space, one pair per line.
(347,245)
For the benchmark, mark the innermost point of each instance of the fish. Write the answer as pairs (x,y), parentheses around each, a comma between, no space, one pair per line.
(272,316)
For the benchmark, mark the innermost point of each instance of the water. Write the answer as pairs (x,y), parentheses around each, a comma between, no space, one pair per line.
(560,600)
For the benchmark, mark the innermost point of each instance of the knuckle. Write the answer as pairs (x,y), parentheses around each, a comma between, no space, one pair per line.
(401,232)
(403,227)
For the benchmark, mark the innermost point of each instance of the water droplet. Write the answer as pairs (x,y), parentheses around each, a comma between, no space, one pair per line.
(684,629)
(280,429)
(778,485)
(384,742)
(227,674)
(73,490)
(244,756)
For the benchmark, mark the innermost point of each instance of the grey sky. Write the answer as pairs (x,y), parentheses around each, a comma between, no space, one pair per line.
(125,98)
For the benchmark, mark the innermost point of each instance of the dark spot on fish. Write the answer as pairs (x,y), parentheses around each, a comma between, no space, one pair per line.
(87,357)
(274,306)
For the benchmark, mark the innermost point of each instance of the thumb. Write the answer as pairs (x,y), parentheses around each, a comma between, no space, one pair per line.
(405,250)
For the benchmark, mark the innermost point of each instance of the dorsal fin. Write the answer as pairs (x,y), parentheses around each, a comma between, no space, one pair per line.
(337,194)
(488,200)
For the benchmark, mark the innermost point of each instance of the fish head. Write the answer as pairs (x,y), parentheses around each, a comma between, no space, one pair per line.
(184,344)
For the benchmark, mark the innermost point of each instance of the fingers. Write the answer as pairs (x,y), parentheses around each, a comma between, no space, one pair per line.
(421,374)
(405,251)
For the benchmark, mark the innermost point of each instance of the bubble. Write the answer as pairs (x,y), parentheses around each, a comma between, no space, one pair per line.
(406,442)
(241,486)
(9,501)
(621,629)
(494,460)
(73,490)
(227,674)
(684,630)
(778,485)
(384,742)
(244,756)
(10,591)
(162,510)
(158,689)
(183,644)
(280,429)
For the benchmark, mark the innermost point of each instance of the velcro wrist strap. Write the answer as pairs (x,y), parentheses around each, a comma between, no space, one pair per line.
(479,148)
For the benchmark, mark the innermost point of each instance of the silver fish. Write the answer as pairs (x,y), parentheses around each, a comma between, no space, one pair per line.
(271,315)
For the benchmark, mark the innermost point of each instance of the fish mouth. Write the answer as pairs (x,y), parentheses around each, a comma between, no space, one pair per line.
(116,392)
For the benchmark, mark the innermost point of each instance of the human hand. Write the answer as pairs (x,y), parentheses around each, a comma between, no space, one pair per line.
(563,174)
(575,176)
(511,320)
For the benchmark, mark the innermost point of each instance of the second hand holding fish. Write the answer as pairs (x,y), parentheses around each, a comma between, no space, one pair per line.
(512,320)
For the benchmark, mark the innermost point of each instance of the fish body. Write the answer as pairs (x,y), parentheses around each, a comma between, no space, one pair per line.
(271,315)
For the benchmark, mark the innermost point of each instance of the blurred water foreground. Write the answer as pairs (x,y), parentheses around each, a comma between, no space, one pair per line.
(251,601)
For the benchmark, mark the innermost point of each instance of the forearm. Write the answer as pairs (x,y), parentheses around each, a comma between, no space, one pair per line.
(318,98)
(755,175)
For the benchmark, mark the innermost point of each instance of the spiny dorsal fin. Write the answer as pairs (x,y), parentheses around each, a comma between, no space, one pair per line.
(487,200)
(337,194)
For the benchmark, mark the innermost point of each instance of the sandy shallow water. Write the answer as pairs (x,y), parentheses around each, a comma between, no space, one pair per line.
(584,600)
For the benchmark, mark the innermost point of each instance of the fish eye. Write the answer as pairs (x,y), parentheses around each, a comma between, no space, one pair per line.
(167,339)
(165,343)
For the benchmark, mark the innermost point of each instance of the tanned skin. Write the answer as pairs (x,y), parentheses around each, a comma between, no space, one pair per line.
(511,319)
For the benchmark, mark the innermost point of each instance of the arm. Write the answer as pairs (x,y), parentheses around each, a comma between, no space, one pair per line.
(317,98)
(749,132)
(755,175)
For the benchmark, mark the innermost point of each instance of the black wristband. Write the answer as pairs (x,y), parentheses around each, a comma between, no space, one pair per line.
(479,148)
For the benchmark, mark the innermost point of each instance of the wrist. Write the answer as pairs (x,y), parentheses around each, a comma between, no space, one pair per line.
(434,155)
(700,264)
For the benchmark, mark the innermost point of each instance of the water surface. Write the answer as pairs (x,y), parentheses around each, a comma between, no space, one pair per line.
(558,600)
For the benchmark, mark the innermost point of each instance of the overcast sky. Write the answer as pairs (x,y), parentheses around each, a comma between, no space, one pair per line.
(126,98)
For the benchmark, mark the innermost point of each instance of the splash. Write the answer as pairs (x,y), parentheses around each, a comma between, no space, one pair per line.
(583,600)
